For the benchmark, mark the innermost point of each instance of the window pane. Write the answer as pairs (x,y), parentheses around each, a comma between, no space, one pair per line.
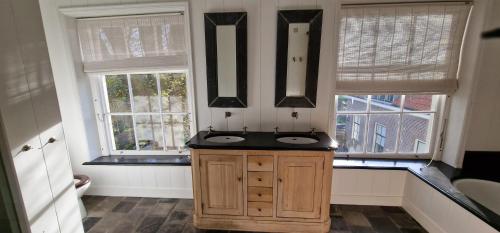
(418,103)
(382,132)
(145,91)
(118,96)
(385,103)
(416,130)
(173,92)
(149,133)
(352,103)
(350,132)
(123,132)
(177,129)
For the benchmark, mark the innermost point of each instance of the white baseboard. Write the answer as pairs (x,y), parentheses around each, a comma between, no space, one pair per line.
(422,218)
(139,192)
(366,200)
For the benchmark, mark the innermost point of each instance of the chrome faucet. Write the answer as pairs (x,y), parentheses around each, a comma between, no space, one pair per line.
(245,129)
(313,131)
(210,129)
(276,130)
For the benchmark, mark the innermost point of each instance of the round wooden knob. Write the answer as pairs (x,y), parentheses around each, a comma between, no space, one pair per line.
(259,209)
(259,179)
(280,180)
(259,195)
(239,178)
(260,164)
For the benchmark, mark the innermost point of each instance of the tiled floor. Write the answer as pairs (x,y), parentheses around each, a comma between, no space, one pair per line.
(156,215)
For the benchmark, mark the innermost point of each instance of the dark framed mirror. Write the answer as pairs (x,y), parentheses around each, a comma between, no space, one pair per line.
(226,54)
(297,57)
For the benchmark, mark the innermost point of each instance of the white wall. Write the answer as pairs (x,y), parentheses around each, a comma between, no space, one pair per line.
(460,106)
(485,108)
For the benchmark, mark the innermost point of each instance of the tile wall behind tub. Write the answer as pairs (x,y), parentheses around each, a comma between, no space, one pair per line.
(261,115)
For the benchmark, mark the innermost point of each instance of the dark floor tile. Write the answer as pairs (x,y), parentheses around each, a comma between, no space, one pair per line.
(355,219)
(91,201)
(124,227)
(335,210)
(357,229)
(162,209)
(412,230)
(108,222)
(148,201)
(373,211)
(89,222)
(383,224)
(124,207)
(178,217)
(168,200)
(171,228)
(133,199)
(352,208)
(339,224)
(393,209)
(404,220)
(184,204)
(150,224)
(136,215)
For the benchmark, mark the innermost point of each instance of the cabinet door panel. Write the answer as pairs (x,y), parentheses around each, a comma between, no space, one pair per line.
(299,186)
(222,184)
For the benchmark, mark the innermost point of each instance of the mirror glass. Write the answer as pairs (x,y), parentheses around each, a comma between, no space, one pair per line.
(298,40)
(226,60)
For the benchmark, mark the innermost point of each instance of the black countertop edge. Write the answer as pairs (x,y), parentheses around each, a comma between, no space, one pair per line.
(262,141)
(138,160)
(438,175)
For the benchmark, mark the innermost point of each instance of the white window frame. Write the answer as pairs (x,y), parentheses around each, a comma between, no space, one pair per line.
(101,105)
(383,136)
(95,78)
(441,108)
(356,124)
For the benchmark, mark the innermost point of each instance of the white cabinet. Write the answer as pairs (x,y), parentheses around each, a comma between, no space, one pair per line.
(30,116)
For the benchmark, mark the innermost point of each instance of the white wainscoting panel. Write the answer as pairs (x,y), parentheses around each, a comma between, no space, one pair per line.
(437,213)
(140,181)
(368,187)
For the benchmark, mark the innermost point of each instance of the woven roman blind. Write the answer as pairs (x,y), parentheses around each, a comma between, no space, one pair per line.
(400,48)
(132,42)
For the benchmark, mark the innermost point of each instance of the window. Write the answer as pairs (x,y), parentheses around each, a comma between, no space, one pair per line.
(356,122)
(404,127)
(380,135)
(146,111)
(139,67)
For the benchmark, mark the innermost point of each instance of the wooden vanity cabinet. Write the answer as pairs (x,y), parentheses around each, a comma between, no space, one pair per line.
(256,190)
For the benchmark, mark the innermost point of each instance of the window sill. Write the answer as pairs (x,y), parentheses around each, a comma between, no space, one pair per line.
(185,160)
(141,160)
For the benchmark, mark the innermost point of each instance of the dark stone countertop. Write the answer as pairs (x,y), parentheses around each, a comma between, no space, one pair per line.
(262,141)
(138,160)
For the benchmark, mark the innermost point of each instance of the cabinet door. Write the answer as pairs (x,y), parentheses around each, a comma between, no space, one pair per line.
(299,186)
(222,184)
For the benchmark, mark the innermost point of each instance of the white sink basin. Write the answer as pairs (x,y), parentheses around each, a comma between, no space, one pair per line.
(225,139)
(297,140)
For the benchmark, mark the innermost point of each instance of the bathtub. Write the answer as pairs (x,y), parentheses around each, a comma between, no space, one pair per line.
(486,193)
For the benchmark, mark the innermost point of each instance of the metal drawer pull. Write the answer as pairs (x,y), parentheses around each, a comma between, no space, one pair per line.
(26,148)
(51,140)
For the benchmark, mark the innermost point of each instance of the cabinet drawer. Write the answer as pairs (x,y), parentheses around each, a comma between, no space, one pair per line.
(260,209)
(260,179)
(260,163)
(260,194)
